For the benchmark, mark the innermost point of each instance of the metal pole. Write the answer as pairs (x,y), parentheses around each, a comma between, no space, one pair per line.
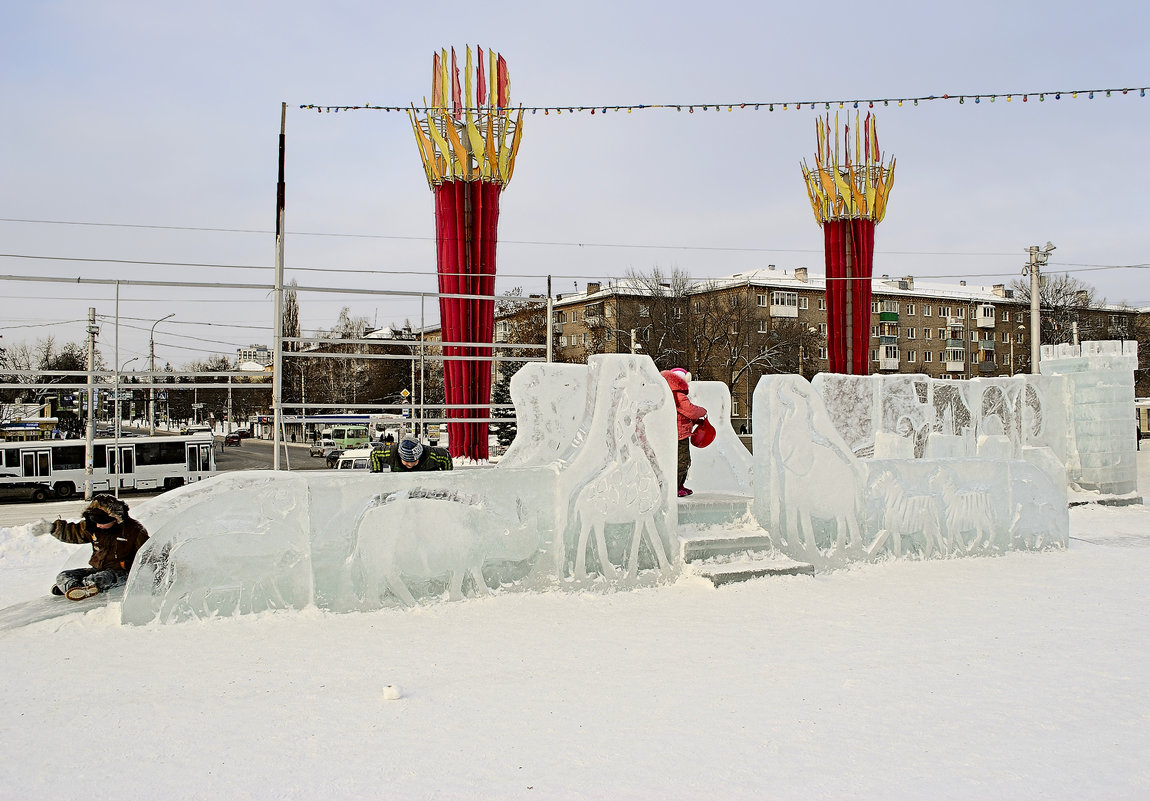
(550,321)
(422,345)
(1038,257)
(1035,330)
(152,368)
(89,450)
(277,376)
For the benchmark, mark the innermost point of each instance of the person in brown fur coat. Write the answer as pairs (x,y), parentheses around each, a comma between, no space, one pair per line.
(115,537)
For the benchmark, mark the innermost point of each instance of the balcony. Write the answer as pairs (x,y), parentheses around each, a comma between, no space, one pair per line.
(888,363)
(986,346)
(985,316)
(956,343)
(887,339)
(888,317)
(987,368)
(955,359)
(784,310)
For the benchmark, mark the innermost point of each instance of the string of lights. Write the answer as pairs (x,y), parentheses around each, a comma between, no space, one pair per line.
(770,105)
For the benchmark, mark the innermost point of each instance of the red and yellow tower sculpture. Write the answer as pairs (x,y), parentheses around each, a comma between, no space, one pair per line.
(468,141)
(848,199)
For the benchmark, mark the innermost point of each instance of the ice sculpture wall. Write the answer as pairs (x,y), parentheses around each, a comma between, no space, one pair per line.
(586,501)
(826,505)
(1100,431)
(724,466)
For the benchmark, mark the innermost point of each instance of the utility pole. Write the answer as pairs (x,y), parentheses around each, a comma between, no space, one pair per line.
(277,376)
(1038,257)
(89,449)
(152,368)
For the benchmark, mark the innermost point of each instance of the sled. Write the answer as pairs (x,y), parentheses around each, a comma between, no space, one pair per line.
(50,606)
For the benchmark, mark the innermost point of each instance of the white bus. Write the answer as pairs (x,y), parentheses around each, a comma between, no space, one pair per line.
(141,463)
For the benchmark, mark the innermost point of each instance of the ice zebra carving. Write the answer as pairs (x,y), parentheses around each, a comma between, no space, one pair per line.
(905,515)
(966,511)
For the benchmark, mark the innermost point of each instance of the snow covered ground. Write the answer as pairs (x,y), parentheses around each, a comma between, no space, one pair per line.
(1024,676)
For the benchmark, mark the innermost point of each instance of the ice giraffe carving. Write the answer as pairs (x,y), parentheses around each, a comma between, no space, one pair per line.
(627,487)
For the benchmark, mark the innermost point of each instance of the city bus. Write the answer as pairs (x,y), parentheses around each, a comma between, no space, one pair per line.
(346,436)
(141,463)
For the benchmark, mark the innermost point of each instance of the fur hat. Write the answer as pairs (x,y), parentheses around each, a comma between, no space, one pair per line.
(410,451)
(105,508)
(683,372)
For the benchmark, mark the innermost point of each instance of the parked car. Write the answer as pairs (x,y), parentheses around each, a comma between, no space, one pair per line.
(23,490)
(243,433)
(333,457)
(233,439)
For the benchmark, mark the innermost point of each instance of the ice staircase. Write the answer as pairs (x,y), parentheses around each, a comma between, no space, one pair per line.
(720,541)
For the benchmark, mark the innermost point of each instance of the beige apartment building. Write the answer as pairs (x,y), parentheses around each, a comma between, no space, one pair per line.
(736,328)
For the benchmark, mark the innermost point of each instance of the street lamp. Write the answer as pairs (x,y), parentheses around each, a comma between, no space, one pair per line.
(116,405)
(152,368)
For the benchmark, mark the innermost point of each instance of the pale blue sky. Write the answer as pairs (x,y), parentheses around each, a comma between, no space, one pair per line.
(151,113)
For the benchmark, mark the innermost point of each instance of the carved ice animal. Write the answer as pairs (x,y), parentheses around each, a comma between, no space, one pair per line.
(965,512)
(904,515)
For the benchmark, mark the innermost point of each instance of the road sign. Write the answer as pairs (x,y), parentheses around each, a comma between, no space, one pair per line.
(405,394)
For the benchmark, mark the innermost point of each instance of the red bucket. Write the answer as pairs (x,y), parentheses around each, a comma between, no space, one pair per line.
(704,434)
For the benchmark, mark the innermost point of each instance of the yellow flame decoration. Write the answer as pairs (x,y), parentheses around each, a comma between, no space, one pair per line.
(469,141)
(849,189)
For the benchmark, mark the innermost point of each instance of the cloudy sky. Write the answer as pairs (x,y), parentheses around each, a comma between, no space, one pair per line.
(144,134)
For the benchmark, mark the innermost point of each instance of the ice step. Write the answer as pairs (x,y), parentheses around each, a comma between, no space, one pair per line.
(731,572)
(697,549)
(712,508)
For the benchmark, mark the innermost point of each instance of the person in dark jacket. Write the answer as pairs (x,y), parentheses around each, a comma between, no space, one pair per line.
(687,416)
(115,537)
(409,456)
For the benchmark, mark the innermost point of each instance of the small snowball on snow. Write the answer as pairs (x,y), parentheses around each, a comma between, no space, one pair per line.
(391,693)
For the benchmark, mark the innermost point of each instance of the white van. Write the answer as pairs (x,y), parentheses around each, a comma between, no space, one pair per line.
(355,459)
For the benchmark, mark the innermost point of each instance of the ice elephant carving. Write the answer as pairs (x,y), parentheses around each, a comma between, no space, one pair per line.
(422,535)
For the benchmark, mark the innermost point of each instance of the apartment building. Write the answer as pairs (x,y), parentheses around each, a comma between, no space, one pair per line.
(736,328)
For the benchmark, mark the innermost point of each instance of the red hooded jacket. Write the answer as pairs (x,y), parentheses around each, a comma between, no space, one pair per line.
(689,413)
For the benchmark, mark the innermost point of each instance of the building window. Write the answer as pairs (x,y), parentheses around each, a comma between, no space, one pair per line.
(910,332)
(911,356)
(575,316)
(822,304)
(823,353)
(974,336)
(762,326)
(944,311)
(779,298)
(874,307)
(926,332)
(734,407)
(910,308)
(761,297)
(563,341)
(962,312)
(1005,337)
(584,339)
(677,313)
(1005,316)
(803,303)
(942,333)
(698,306)
(926,310)
(874,354)
(644,310)
(927,356)
(822,329)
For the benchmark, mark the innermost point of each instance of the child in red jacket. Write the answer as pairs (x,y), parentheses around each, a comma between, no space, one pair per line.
(688,415)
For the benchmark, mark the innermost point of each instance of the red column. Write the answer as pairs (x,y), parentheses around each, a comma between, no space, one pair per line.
(849,253)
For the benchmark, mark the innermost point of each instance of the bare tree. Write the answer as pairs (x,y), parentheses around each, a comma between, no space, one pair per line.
(1062,300)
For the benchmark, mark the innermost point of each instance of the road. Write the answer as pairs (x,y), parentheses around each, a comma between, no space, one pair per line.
(253,454)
